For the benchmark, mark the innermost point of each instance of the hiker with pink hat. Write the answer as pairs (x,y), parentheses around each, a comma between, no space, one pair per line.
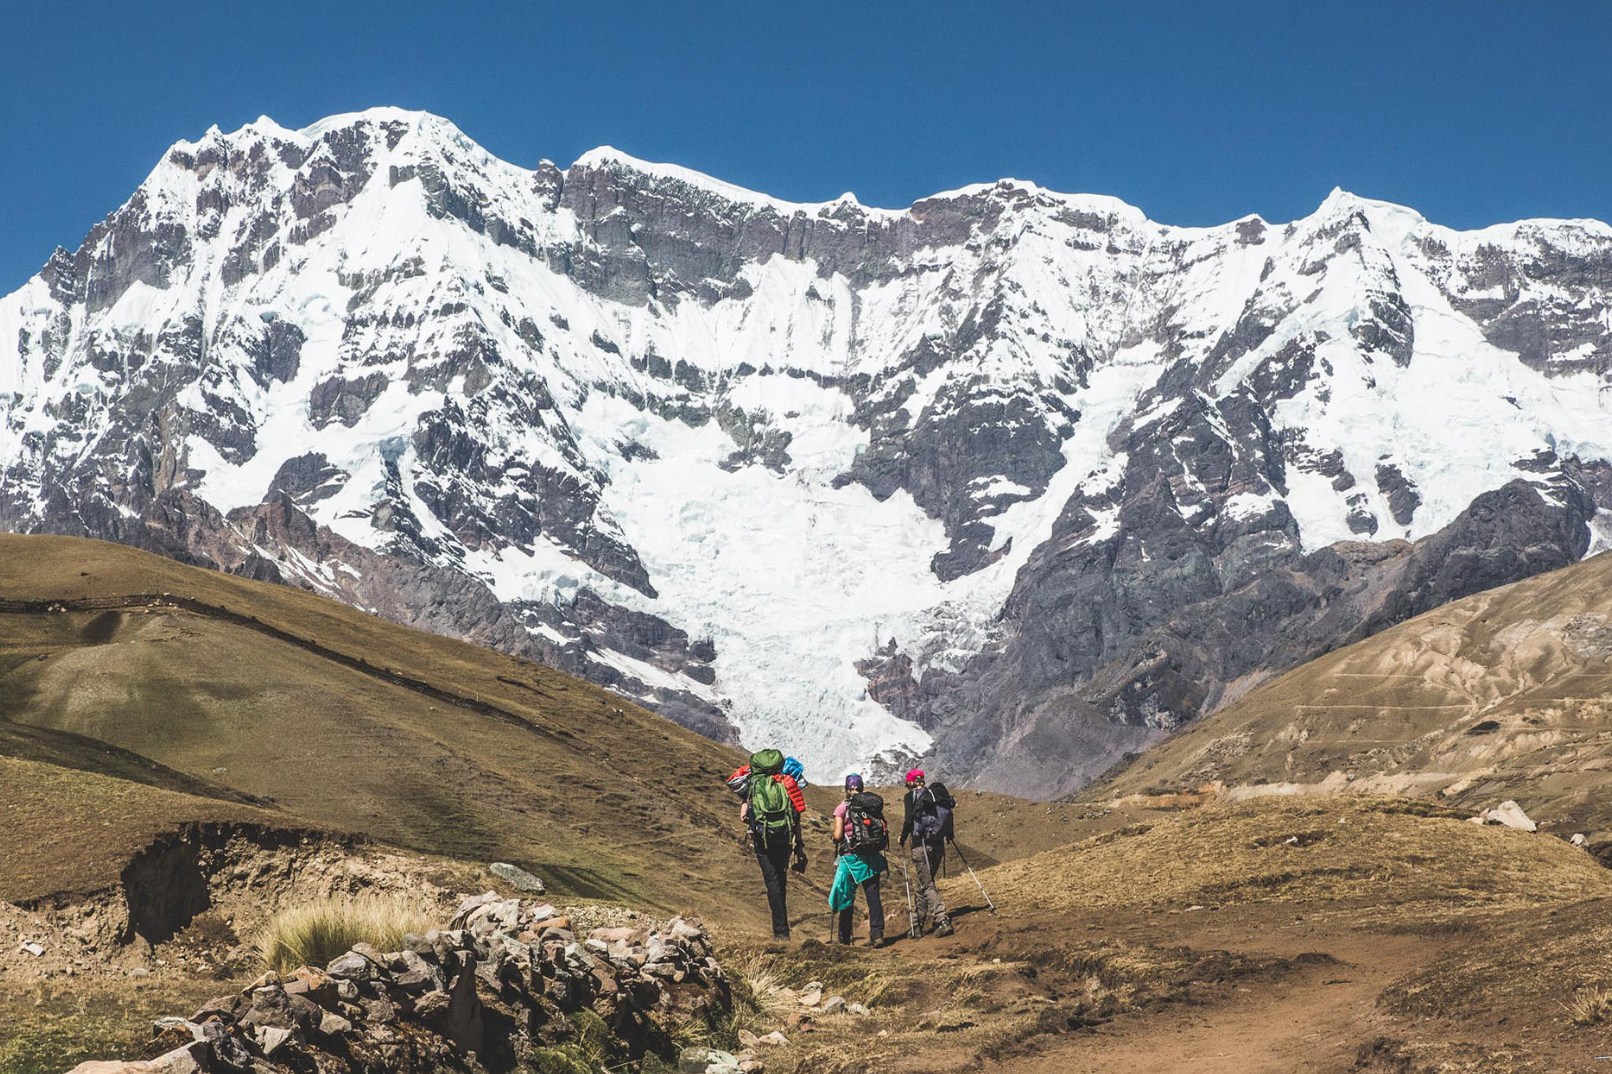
(927,823)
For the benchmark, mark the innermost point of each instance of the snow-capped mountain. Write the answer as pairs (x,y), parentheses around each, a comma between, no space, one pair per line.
(1012,479)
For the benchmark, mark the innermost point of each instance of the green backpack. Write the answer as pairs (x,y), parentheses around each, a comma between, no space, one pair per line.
(771,811)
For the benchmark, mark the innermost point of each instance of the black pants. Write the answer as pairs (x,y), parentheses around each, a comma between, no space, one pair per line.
(870,891)
(774,861)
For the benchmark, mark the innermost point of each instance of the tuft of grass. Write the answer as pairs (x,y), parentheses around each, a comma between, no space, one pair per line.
(593,1038)
(314,933)
(759,1005)
(758,990)
(1590,1006)
(559,1059)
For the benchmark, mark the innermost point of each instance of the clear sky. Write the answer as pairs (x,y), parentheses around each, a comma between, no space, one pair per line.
(1471,111)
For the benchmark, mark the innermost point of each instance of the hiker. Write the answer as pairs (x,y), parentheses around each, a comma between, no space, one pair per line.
(860,835)
(926,820)
(771,813)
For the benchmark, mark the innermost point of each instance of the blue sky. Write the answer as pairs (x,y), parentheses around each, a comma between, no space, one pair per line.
(1471,111)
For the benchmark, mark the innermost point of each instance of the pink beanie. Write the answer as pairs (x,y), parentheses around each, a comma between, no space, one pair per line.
(915,775)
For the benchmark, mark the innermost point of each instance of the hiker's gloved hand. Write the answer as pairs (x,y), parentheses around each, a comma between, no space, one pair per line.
(800,860)
(744,838)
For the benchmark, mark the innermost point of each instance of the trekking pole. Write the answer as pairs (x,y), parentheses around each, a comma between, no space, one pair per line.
(976,879)
(914,928)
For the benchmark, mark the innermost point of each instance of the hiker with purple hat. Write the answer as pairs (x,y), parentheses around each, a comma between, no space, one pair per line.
(860,837)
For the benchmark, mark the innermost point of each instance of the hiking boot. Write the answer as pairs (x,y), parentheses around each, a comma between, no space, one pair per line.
(878,941)
(943,927)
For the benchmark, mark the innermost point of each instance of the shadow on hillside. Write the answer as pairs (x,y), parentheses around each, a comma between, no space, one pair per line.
(587,884)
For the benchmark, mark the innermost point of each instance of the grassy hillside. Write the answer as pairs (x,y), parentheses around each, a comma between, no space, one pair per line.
(68,831)
(1391,860)
(210,684)
(1506,694)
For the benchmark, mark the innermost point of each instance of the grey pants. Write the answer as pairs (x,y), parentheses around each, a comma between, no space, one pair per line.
(926,859)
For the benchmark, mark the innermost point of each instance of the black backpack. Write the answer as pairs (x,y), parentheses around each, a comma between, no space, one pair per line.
(932,813)
(865,828)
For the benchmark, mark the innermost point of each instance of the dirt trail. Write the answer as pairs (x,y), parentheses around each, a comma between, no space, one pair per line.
(1312,1019)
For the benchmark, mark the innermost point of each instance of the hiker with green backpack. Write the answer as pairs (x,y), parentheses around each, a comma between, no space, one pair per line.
(771,815)
(860,836)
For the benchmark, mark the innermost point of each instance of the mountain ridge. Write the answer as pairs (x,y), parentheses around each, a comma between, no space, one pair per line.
(609,154)
(795,475)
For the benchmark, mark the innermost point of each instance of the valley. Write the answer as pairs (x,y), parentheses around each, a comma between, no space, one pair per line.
(1145,924)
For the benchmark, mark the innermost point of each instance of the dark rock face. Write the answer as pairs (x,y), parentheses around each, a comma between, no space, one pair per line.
(596,417)
(343,400)
(1103,661)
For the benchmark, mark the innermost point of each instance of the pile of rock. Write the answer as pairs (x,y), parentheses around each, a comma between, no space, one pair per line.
(508,982)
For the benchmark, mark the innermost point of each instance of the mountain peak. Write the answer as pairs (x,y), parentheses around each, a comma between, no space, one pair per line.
(609,158)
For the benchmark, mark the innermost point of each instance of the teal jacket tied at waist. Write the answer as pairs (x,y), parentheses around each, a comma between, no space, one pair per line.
(852,871)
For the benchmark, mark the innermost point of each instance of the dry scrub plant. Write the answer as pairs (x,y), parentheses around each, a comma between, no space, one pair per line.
(1589,1006)
(314,933)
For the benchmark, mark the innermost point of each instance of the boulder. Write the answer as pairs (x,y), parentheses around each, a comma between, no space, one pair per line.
(271,1007)
(188,1059)
(519,878)
(685,930)
(353,967)
(706,1061)
(1511,815)
(312,985)
(462,1021)
(379,1010)
(191,1059)
(227,1050)
(175,1032)
(369,952)
(469,905)
(332,1024)
(272,1040)
(416,974)
(225,1007)
(431,1005)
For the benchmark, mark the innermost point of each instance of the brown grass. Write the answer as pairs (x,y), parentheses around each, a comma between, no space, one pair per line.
(1404,861)
(71,832)
(315,933)
(958,1012)
(604,799)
